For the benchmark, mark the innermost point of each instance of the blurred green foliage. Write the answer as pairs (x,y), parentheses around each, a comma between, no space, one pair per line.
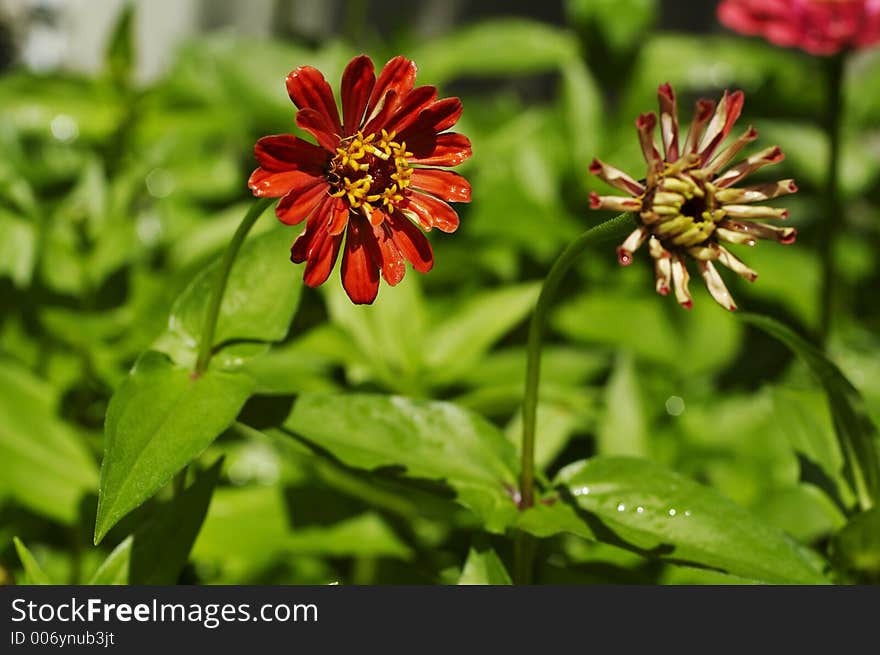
(114,201)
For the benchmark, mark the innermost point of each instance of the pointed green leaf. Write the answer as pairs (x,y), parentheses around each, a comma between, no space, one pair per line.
(433,440)
(623,429)
(162,545)
(660,513)
(114,569)
(484,567)
(856,548)
(120,48)
(856,432)
(159,419)
(456,343)
(43,463)
(260,300)
(34,574)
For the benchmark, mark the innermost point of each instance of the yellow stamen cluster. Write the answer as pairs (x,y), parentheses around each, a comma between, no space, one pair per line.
(370,169)
(683,211)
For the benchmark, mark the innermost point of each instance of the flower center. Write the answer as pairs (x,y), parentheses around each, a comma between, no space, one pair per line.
(370,169)
(683,210)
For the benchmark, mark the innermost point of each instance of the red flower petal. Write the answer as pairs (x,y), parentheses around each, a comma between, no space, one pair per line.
(271,184)
(408,109)
(431,212)
(321,263)
(390,260)
(398,75)
(440,116)
(284,152)
(320,127)
(308,89)
(300,202)
(339,217)
(360,275)
(447,149)
(317,247)
(446,185)
(411,243)
(357,84)
(381,115)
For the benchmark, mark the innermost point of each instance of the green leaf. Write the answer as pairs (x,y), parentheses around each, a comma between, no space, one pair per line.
(454,346)
(663,514)
(260,300)
(34,574)
(114,569)
(856,432)
(484,567)
(249,528)
(245,529)
(365,535)
(18,248)
(393,357)
(433,440)
(656,332)
(623,429)
(497,47)
(162,545)
(583,111)
(43,463)
(120,48)
(158,420)
(622,23)
(856,548)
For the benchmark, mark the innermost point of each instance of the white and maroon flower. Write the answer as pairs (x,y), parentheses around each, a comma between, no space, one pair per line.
(687,205)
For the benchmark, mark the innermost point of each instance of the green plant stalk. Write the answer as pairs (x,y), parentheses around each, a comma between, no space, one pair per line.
(209,327)
(833,220)
(614,229)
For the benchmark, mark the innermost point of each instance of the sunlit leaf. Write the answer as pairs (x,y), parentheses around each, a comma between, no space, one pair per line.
(455,344)
(162,544)
(115,569)
(34,574)
(43,463)
(430,440)
(664,514)
(856,432)
(484,567)
(856,547)
(258,305)
(159,419)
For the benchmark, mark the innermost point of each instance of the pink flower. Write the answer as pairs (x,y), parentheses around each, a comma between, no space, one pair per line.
(821,27)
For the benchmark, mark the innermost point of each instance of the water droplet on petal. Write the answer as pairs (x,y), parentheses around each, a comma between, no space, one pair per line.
(621,507)
(672,512)
(640,509)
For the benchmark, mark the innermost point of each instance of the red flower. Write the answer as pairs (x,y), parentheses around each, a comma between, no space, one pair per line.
(821,27)
(372,176)
(687,205)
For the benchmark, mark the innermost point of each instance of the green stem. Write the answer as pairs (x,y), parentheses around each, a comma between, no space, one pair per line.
(209,327)
(614,229)
(611,230)
(833,220)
